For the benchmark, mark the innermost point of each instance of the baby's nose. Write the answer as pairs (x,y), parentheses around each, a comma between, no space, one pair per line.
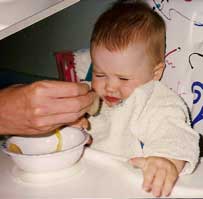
(112,85)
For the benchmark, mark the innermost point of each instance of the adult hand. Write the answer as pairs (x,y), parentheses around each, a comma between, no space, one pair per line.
(42,106)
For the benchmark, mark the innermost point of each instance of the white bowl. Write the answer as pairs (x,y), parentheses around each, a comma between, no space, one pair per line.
(48,162)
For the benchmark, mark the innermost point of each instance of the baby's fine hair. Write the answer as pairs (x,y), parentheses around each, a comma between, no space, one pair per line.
(128,22)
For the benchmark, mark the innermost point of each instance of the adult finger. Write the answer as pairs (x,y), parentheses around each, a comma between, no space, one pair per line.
(61,89)
(57,119)
(158,182)
(65,105)
(33,130)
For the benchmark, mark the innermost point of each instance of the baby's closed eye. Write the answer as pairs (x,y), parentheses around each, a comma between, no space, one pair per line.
(123,78)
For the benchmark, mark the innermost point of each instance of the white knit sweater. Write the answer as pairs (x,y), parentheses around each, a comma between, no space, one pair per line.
(153,115)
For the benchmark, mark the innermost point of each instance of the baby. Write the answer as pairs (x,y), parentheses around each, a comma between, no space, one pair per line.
(140,118)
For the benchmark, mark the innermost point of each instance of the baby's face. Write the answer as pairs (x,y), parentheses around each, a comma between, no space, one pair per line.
(117,73)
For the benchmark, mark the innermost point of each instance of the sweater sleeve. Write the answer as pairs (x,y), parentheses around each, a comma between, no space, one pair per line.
(170,135)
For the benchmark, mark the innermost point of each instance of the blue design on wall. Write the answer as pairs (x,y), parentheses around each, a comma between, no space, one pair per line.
(199,86)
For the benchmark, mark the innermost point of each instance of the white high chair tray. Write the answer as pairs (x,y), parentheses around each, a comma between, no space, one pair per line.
(97,175)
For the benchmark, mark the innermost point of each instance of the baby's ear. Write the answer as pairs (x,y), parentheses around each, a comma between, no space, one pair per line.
(158,71)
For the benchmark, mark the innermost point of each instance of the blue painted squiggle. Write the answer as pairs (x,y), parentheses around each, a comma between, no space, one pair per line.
(199,116)
(197,92)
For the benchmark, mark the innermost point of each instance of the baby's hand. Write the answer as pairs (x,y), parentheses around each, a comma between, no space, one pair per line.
(81,123)
(160,174)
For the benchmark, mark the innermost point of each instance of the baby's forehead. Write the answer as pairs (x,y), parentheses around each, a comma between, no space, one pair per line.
(133,58)
(134,52)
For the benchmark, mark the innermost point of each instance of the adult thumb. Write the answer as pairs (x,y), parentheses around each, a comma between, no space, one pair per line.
(138,162)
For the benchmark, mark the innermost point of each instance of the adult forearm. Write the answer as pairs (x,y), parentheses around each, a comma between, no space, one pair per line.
(7,109)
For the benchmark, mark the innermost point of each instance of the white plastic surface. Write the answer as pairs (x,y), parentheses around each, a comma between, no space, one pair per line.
(97,175)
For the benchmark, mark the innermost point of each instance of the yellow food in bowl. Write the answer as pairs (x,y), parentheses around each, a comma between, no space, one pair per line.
(60,141)
(14,148)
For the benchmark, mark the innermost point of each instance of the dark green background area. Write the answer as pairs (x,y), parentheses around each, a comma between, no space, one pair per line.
(31,50)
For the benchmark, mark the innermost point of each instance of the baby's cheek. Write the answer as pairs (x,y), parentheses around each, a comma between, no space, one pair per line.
(94,84)
(98,87)
(126,91)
